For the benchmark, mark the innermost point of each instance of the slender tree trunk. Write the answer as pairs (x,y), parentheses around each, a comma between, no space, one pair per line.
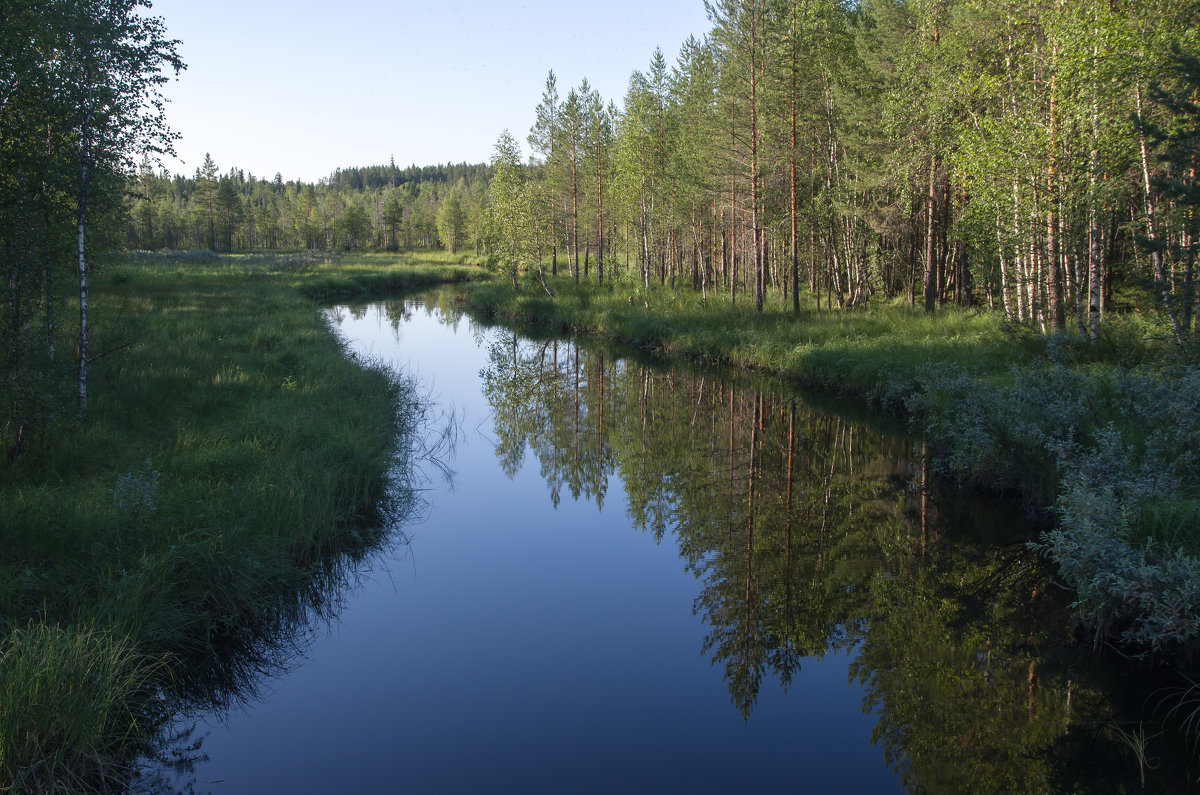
(930,240)
(81,219)
(1057,320)
(792,187)
(542,274)
(733,239)
(1008,310)
(599,210)
(1161,284)
(645,236)
(1080,323)
(575,216)
(755,220)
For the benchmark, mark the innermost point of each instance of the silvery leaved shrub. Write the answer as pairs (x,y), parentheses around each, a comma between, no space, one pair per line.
(136,493)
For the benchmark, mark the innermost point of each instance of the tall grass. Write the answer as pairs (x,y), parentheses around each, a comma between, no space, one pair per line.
(234,463)
(73,708)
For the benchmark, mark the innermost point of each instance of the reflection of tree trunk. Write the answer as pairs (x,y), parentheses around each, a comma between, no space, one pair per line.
(850,464)
(1067,720)
(732,392)
(554,436)
(827,486)
(924,499)
(1032,679)
(645,390)
(754,435)
(787,522)
(699,400)
(600,431)
(575,429)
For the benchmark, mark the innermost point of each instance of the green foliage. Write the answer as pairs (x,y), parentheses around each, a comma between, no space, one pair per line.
(1136,575)
(451,222)
(509,209)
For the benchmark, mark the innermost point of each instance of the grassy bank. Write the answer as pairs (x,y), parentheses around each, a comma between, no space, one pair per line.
(1100,439)
(232,458)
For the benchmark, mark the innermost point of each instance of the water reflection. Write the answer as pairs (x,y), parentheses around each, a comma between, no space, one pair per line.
(810,538)
(810,533)
(246,654)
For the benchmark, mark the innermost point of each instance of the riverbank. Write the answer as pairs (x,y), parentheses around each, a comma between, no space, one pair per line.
(233,463)
(1100,439)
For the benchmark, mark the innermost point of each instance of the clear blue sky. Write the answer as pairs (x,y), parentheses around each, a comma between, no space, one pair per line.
(306,87)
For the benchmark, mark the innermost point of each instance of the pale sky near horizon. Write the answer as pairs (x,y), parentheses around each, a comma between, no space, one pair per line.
(305,87)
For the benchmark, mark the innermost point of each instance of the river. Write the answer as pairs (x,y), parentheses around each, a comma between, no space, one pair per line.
(628,578)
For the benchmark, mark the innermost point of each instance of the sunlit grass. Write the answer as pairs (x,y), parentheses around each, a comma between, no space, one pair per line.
(863,351)
(72,709)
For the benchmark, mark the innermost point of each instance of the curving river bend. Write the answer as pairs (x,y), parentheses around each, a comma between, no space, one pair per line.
(637,579)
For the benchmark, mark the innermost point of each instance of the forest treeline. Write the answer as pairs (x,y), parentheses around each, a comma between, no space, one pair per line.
(376,208)
(1036,157)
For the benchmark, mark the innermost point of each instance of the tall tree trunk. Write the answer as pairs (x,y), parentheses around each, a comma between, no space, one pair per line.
(599,209)
(793,112)
(930,240)
(85,175)
(1053,273)
(575,216)
(733,239)
(755,219)
(1161,285)
(1008,310)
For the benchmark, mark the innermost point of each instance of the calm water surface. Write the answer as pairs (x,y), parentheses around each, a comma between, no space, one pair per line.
(645,580)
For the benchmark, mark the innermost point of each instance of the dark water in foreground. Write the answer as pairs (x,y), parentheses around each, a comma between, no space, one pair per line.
(646,580)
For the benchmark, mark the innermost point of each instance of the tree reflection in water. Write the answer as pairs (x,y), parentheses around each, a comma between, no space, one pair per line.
(811,533)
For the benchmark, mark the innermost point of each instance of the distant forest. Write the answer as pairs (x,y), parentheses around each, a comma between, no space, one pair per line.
(1035,156)
(376,208)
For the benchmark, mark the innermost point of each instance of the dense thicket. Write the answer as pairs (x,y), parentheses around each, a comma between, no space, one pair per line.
(1033,156)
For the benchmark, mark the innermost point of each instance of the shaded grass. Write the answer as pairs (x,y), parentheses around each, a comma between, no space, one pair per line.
(232,456)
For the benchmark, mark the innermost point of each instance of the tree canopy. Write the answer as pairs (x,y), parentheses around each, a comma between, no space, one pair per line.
(80,104)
